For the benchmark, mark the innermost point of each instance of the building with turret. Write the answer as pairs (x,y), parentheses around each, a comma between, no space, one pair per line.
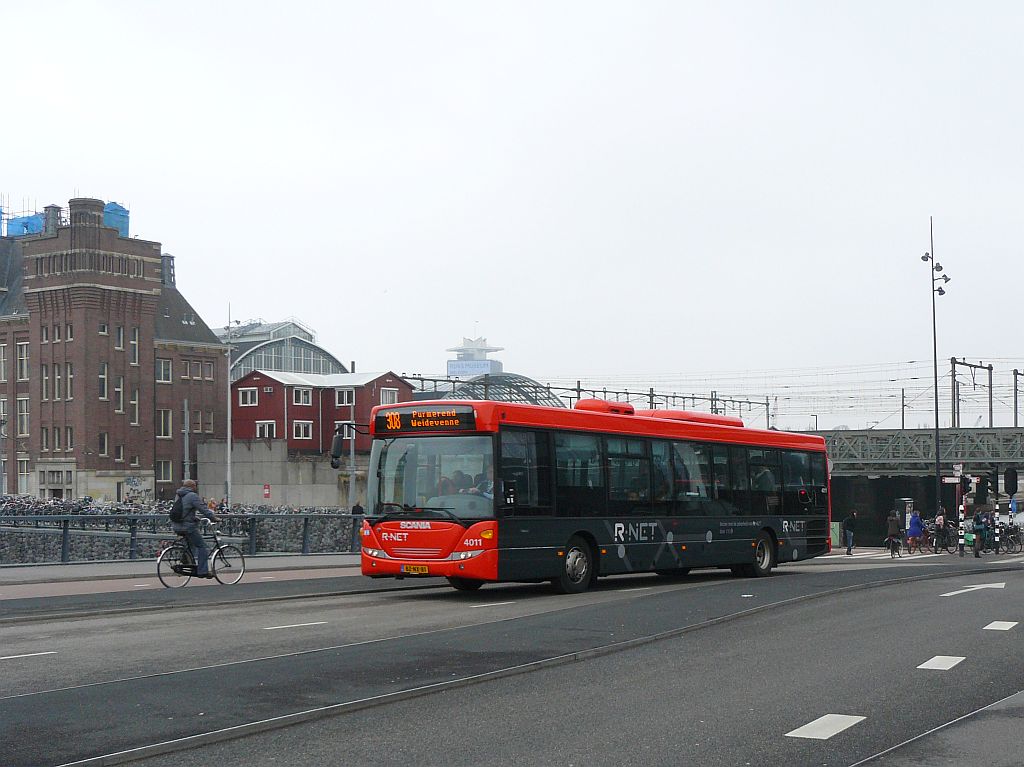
(106,371)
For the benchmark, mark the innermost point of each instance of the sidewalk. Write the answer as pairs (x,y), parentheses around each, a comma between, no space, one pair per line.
(57,573)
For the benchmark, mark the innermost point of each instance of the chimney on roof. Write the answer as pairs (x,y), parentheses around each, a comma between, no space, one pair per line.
(51,219)
(352,367)
(167,270)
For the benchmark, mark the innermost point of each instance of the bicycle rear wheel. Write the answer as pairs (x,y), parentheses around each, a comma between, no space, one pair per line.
(174,566)
(228,564)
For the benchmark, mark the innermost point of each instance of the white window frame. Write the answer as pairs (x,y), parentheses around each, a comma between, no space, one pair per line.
(103,375)
(388,396)
(133,408)
(57,386)
(44,440)
(208,371)
(266,426)
(164,424)
(302,393)
(133,345)
(44,382)
(119,338)
(104,329)
(249,397)
(44,334)
(69,332)
(56,334)
(164,471)
(295,429)
(23,359)
(345,397)
(349,429)
(69,371)
(69,439)
(104,444)
(23,414)
(3,368)
(164,365)
(118,453)
(119,394)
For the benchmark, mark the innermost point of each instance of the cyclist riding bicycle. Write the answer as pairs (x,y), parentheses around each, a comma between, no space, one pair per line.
(895,530)
(192,505)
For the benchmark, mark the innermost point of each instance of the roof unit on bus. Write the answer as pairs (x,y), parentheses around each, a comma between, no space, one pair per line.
(693,417)
(604,406)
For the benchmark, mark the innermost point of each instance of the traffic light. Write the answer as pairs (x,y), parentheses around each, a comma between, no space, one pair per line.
(981,493)
(965,484)
(1010,481)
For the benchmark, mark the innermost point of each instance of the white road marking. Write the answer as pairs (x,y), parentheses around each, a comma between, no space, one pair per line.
(941,662)
(293,626)
(267,577)
(142,585)
(637,588)
(493,604)
(1000,625)
(824,727)
(969,589)
(746,596)
(28,655)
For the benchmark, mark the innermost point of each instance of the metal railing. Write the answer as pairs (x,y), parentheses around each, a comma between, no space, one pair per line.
(145,534)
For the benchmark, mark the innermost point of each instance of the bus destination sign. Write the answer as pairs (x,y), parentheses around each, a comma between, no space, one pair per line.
(455,418)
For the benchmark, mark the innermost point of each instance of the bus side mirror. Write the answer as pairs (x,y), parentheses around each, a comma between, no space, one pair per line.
(337,444)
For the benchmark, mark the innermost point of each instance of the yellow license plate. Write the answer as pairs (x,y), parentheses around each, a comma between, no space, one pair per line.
(418,569)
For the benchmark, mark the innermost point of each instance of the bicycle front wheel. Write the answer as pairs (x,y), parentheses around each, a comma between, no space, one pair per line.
(228,564)
(174,566)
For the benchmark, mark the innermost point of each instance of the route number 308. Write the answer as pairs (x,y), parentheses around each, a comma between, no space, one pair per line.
(394,420)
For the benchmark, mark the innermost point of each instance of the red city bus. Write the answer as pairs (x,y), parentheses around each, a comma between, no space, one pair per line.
(485,492)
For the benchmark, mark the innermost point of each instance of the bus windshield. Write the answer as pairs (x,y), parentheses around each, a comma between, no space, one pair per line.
(450,475)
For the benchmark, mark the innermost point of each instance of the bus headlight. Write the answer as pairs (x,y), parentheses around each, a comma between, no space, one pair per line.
(460,555)
(374,553)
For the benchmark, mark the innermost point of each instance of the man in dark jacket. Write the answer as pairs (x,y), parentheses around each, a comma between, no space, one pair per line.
(849,528)
(191,505)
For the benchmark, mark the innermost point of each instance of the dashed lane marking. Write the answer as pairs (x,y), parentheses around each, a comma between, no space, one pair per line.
(294,626)
(824,727)
(493,604)
(28,655)
(941,662)
(1000,625)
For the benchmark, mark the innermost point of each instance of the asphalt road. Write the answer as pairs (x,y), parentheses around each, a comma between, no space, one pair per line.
(709,669)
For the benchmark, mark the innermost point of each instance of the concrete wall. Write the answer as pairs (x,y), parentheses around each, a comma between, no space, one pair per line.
(295,480)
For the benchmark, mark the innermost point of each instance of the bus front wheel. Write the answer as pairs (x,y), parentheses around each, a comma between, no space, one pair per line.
(464,584)
(577,567)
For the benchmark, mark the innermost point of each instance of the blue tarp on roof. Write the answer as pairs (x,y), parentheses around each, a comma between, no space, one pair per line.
(116,216)
(22,225)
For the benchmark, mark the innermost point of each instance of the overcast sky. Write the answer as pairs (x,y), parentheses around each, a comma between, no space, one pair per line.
(637,189)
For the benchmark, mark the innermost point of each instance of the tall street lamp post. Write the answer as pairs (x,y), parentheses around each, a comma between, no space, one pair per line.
(935,277)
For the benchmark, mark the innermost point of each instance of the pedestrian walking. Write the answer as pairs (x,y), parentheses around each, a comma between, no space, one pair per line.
(849,528)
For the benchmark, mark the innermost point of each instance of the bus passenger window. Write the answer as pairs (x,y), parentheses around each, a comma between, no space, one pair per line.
(765,488)
(526,462)
(692,463)
(579,476)
(797,492)
(629,477)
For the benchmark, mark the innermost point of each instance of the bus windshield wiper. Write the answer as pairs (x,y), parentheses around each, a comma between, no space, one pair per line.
(446,511)
(407,509)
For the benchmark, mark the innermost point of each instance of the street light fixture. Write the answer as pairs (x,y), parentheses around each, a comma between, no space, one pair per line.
(934,288)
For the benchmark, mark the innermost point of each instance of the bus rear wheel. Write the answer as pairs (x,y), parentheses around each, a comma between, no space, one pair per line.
(577,567)
(464,584)
(764,556)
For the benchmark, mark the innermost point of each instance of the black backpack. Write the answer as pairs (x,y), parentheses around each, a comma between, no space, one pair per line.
(177,514)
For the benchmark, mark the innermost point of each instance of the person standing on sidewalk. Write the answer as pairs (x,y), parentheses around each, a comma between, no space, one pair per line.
(849,528)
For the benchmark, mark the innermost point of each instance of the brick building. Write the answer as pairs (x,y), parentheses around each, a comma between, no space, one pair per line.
(99,354)
(305,408)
